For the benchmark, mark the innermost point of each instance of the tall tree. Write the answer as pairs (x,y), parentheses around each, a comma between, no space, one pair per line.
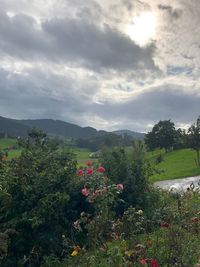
(162,135)
(194,138)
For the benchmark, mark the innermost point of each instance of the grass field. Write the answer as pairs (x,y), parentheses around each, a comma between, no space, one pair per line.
(7,142)
(176,164)
(81,153)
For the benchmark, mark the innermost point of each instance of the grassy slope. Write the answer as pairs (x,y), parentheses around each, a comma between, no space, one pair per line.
(7,142)
(176,164)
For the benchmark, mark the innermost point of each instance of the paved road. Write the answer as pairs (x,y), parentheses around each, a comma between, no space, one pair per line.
(179,184)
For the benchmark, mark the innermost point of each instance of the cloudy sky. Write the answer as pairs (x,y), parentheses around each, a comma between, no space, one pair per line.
(110,64)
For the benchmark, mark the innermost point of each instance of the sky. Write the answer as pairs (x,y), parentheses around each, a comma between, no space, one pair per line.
(109,64)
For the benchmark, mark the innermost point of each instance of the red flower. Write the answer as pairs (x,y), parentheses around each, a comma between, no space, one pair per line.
(89,163)
(101,169)
(89,171)
(143,262)
(195,219)
(79,172)
(154,263)
(164,225)
(120,186)
(85,191)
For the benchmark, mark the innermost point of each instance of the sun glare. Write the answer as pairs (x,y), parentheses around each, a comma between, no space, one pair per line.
(142,30)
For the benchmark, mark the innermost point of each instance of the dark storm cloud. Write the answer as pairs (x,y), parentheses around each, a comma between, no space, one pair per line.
(71,40)
(37,96)
(167,102)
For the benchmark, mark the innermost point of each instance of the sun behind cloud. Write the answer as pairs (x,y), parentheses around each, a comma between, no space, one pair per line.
(143,28)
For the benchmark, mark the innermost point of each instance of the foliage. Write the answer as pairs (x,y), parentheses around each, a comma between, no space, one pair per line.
(169,238)
(104,140)
(132,170)
(52,214)
(34,197)
(194,139)
(162,136)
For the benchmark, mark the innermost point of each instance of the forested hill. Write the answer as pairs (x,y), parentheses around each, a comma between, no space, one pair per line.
(61,128)
(133,134)
(14,128)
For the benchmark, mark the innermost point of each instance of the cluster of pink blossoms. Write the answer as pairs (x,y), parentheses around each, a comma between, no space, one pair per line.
(99,192)
(90,170)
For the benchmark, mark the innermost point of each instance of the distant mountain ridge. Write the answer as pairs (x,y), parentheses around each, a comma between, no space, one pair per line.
(14,128)
(133,134)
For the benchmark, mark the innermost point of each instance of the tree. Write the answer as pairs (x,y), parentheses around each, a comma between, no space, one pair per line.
(162,136)
(194,138)
(181,139)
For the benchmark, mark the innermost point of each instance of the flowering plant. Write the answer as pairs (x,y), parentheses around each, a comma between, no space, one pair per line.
(102,195)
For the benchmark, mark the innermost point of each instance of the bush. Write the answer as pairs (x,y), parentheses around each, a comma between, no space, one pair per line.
(34,198)
(132,170)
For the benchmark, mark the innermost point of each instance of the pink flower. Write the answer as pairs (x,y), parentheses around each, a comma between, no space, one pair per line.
(79,172)
(101,169)
(120,186)
(85,191)
(154,263)
(89,163)
(143,262)
(89,171)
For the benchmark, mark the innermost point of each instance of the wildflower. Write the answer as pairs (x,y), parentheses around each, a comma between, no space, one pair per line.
(85,191)
(63,236)
(154,263)
(102,249)
(139,248)
(143,262)
(140,212)
(89,163)
(91,200)
(195,219)
(80,172)
(74,253)
(164,225)
(120,186)
(89,171)
(101,169)
(76,225)
(149,242)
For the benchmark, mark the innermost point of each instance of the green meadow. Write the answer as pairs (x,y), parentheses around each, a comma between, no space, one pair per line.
(175,164)
(7,142)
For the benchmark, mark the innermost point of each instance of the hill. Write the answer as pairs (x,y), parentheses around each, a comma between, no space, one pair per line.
(61,128)
(133,134)
(14,128)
